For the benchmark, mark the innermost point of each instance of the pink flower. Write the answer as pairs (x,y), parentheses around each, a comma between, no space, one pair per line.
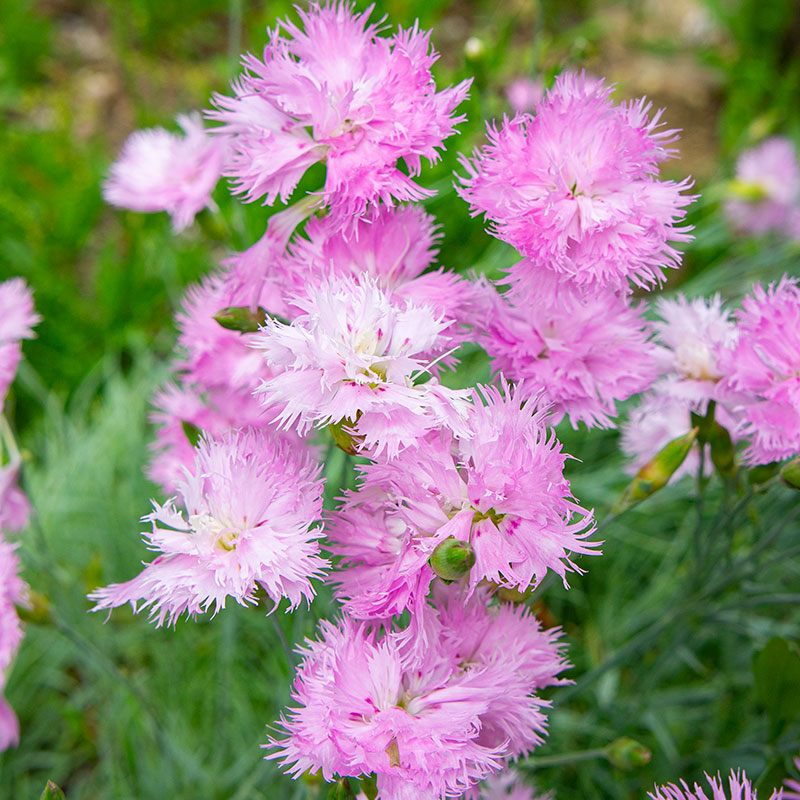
(352,358)
(432,709)
(524,94)
(14,506)
(575,188)
(306,102)
(581,351)
(17,319)
(501,488)
(250,507)
(765,197)
(739,788)
(12,593)
(160,171)
(791,787)
(764,368)
(508,785)
(694,334)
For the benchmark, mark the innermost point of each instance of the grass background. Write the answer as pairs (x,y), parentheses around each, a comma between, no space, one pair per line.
(663,629)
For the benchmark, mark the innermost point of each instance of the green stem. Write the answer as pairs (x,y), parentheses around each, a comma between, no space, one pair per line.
(539,762)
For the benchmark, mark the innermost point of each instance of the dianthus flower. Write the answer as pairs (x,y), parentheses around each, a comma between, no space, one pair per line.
(17,319)
(575,188)
(739,788)
(508,785)
(765,197)
(14,506)
(12,593)
(502,490)
(523,94)
(352,359)
(580,351)
(161,171)
(250,506)
(764,368)
(430,710)
(694,335)
(395,247)
(791,787)
(332,89)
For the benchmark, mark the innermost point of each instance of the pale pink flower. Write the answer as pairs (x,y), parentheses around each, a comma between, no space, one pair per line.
(523,94)
(431,710)
(353,358)
(14,506)
(251,505)
(161,171)
(508,785)
(694,335)
(575,188)
(765,197)
(739,788)
(17,319)
(764,368)
(501,488)
(12,594)
(580,351)
(332,89)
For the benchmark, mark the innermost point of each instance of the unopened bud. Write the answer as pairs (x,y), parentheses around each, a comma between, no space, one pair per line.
(241,318)
(341,790)
(655,474)
(452,559)
(191,431)
(52,792)
(790,473)
(627,754)
(343,437)
(747,190)
(722,454)
(474,48)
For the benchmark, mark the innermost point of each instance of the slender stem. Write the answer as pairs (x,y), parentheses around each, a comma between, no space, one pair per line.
(7,437)
(538,762)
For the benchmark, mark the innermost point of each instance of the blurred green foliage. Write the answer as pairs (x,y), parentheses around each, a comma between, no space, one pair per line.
(124,711)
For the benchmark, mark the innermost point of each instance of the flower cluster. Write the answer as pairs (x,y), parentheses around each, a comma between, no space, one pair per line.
(17,319)
(337,328)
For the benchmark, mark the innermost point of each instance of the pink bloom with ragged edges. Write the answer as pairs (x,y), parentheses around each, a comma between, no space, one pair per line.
(353,357)
(508,785)
(332,89)
(431,709)
(17,318)
(739,788)
(15,509)
(12,594)
(764,369)
(580,351)
(791,787)
(575,188)
(501,488)
(251,507)
(523,94)
(765,197)
(161,171)
(693,337)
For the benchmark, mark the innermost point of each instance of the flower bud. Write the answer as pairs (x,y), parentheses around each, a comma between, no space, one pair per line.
(452,559)
(655,474)
(627,754)
(241,318)
(52,792)
(474,48)
(790,473)
(722,453)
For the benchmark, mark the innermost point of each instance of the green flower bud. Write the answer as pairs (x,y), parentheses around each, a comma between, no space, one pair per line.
(790,473)
(627,754)
(452,559)
(722,454)
(52,792)
(655,474)
(241,318)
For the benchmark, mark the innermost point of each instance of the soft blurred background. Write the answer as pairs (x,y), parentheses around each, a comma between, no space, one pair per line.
(121,710)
